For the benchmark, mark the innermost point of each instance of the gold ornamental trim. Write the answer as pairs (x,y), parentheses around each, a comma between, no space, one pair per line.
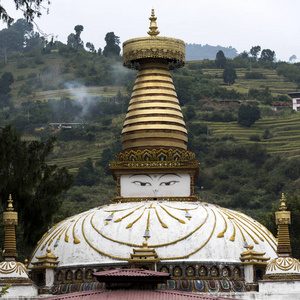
(10,218)
(170,49)
(157,135)
(154,155)
(155,71)
(154,127)
(283,264)
(150,91)
(256,263)
(252,257)
(285,276)
(153,77)
(155,99)
(149,119)
(154,84)
(167,112)
(157,104)
(141,143)
(9,267)
(143,199)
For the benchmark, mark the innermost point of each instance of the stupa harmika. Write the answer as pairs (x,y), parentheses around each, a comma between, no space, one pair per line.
(155,221)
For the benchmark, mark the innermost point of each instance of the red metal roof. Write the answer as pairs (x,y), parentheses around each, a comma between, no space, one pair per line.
(136,295)
(131,273)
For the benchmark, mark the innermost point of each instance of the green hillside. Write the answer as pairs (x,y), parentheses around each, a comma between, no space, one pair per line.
(93,91)
(284,133)
(277,84)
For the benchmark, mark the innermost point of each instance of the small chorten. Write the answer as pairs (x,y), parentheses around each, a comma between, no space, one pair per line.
(283,220)
(284,267)
(13,272)
(10,220)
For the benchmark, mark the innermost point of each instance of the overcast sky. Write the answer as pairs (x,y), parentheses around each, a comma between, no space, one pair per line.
(272,24)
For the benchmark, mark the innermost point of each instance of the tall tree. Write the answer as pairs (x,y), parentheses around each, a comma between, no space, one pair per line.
(19,37)
(229,75)
(74,40)
(255,51)
(244,55)
(267,55)
(86,174)
(34,184)
(220,60)
(6,80)
(112,47)
(30,9)
(292,58)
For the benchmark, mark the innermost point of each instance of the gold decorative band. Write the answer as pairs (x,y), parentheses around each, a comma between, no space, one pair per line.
(140,199)
(158,134)
(173,50)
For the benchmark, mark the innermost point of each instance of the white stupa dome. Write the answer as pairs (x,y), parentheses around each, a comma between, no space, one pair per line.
(181,231)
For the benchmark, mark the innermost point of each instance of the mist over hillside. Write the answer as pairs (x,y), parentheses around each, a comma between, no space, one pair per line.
(198,51)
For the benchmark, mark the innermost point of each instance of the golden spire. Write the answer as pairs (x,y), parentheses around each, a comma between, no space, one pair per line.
(154,118)
(153,26)
(10,220)
(283,219)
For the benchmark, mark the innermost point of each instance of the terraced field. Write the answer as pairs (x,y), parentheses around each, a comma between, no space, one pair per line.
(276,83)
(80,92)
(285,134)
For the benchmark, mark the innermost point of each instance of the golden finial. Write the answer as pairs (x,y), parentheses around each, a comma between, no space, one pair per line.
(10,204)
(282,201)
(153,26)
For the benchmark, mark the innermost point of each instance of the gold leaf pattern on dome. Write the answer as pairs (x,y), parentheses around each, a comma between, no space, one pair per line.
(131,220)
(9,267)
(285,264)
(245,225)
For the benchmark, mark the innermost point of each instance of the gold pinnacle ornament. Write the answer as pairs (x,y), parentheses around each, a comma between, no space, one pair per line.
(153,27)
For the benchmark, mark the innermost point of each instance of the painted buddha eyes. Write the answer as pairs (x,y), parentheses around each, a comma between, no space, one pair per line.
(140,183)
(166,183)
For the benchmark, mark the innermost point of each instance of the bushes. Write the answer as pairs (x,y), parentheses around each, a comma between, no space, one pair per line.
(254,138)
(248,114)
(217,116)
(76,133)
(254,75)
